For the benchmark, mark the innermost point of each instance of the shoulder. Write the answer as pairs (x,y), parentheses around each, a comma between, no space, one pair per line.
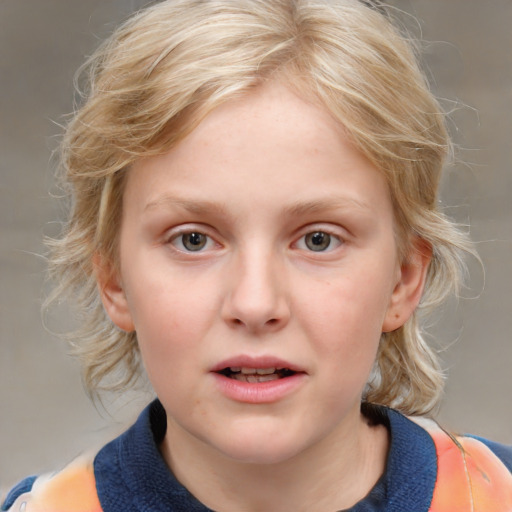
(128,474)
(73,489)
(470,470)
(466,444)
(502,451)
(430,469)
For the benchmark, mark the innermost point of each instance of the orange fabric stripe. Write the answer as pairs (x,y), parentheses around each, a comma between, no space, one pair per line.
(470,478)
(71,490)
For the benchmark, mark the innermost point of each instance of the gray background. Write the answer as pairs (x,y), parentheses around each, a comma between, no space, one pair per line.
(45,417)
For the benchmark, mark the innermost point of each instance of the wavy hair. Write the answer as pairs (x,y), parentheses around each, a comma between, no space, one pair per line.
(171,64)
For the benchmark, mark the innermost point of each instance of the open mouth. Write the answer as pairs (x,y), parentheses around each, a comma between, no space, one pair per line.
(255,375)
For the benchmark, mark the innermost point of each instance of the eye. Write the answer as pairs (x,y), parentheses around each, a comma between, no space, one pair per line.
(319,241)
(192,241)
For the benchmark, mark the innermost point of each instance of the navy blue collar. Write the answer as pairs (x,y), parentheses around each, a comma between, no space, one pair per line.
(132,476)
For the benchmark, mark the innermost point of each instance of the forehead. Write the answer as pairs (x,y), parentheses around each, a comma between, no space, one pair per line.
(268,149)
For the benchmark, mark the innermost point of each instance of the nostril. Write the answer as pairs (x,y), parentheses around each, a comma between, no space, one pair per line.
(269,323)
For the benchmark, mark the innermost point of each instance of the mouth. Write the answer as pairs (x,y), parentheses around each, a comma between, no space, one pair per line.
(255,375)
(258,379)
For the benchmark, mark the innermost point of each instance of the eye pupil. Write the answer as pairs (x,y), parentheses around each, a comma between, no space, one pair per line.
(318,240)
(194,241)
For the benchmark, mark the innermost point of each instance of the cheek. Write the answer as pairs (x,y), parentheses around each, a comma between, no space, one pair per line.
(164,299)
(345,316)
(169,315)
(167,335)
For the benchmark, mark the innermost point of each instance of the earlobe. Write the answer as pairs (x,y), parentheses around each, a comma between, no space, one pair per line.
(112,293)
(409,287)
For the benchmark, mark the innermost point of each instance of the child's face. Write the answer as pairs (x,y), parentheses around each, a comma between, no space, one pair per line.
(263,240)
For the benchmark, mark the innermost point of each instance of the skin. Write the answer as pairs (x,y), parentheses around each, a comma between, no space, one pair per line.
(256,177)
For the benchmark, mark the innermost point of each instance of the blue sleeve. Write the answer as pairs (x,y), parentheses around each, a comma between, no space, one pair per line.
(503,451)
(19,489)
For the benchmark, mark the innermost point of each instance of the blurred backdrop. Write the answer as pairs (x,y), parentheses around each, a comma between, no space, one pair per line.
(45,417)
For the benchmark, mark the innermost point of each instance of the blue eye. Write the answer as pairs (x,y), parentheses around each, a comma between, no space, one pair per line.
(319,241)
(192,241)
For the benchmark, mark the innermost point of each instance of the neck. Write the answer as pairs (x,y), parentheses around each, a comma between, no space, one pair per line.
(334,474)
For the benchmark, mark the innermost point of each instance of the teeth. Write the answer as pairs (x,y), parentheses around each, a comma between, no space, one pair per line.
(253,378)
(252,371)
(265,371)
(266,378)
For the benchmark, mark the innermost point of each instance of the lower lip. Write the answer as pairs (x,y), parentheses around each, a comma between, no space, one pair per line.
(259,392)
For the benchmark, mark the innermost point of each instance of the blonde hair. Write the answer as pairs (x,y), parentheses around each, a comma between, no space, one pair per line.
(170,65)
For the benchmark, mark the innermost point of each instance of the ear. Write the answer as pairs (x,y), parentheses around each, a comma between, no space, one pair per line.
(112,293)
(409,287)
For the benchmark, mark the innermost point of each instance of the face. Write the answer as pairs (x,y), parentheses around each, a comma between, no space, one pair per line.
(258,266)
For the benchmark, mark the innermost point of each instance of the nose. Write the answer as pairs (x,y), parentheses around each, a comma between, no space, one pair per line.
(256,296)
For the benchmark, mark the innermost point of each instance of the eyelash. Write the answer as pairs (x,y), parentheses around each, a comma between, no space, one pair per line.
(325,240)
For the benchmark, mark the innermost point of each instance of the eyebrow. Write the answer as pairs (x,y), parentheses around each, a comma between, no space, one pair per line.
(326,204)
(193,206)
(297,208)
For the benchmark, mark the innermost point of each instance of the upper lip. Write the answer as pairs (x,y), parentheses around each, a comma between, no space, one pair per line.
(247,361)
